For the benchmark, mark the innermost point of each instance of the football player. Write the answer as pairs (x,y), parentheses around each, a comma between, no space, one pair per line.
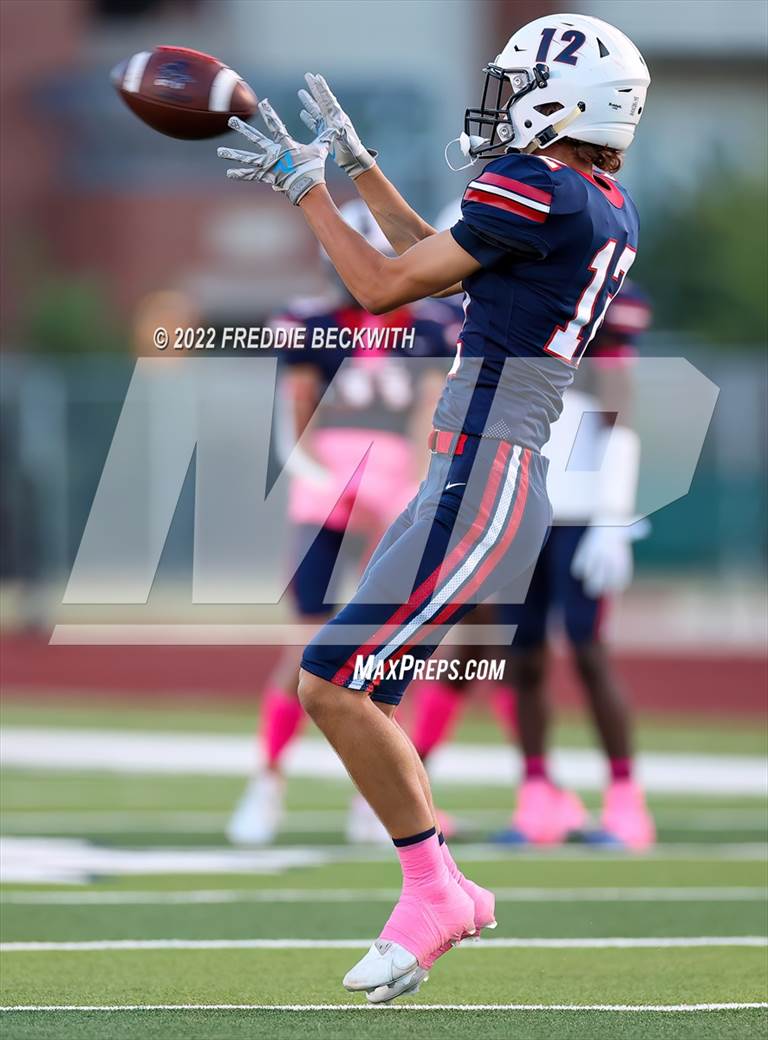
(581,566)
(374,406)
(545,241)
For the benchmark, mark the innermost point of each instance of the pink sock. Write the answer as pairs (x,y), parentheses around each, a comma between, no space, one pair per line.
(485,901)
(422,861)
(426,881)
(621,768)
(504,705)
(437,706)
(535,767)
(450,863)
(281,719)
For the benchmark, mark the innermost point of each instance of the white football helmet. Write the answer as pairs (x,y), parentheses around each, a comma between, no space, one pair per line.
(590,69)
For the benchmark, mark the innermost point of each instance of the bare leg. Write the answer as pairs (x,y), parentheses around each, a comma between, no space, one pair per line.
(259,810)
(606,702)
(437,905)
(528,670)
(376,753)
(544,814)
(285,674)
(389,710)
(625,816)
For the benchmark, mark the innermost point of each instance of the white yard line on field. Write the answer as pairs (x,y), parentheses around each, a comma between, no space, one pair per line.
(380,1008)
(60,859)
(121,751)
(314,821)
(680,894)
(69,860)
(655,943)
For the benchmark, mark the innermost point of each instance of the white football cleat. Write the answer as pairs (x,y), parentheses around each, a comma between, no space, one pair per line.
(385,963)
(363,825)
(259,812)
(407,986)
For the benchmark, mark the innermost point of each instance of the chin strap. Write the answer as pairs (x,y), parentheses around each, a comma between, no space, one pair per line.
(464,144)
(552,132)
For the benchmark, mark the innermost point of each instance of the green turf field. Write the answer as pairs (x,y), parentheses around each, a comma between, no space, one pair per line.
(140,912)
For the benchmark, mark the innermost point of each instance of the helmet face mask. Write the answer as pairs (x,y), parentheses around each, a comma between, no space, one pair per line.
(493,122)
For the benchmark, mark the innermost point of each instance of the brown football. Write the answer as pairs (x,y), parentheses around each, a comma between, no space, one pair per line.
(183,93)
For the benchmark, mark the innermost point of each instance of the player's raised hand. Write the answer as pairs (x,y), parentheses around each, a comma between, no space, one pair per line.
(321,111)
(284,164)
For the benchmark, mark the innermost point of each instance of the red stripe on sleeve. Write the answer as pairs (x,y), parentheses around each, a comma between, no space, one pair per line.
(517,186)
(509,205)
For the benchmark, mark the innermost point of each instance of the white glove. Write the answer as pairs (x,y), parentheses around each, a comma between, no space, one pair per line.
(322,112)
(286,165)
(603,560)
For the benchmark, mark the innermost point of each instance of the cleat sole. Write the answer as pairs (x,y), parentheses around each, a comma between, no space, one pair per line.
(407,986)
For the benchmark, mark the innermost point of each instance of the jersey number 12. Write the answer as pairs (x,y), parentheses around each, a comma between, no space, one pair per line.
(570,341)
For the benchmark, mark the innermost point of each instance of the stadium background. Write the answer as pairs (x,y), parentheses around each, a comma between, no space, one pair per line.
(100,215)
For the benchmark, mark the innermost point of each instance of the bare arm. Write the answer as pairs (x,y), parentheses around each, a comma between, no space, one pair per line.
(303,388)
(431,386)
(402,225)
(619,472)
(380,283)
(321,112)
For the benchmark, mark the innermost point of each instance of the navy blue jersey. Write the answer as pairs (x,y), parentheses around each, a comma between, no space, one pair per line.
(376,389)
(554,245)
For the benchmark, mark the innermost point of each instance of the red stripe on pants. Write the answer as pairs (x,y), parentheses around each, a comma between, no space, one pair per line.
(471,537)
(488,564)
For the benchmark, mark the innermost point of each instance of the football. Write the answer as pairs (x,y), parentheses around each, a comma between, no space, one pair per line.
(183,93)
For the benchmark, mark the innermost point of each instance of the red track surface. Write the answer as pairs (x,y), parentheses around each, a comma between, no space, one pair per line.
(727,684)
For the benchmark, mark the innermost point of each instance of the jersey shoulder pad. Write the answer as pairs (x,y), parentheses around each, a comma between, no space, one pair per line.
(514,185)
(569,187)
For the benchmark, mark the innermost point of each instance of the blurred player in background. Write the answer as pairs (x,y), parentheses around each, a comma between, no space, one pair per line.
(584,563)
(377,401)
(579,569)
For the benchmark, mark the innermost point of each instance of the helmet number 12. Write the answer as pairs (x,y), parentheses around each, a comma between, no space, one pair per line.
(572,37)
(570,341)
